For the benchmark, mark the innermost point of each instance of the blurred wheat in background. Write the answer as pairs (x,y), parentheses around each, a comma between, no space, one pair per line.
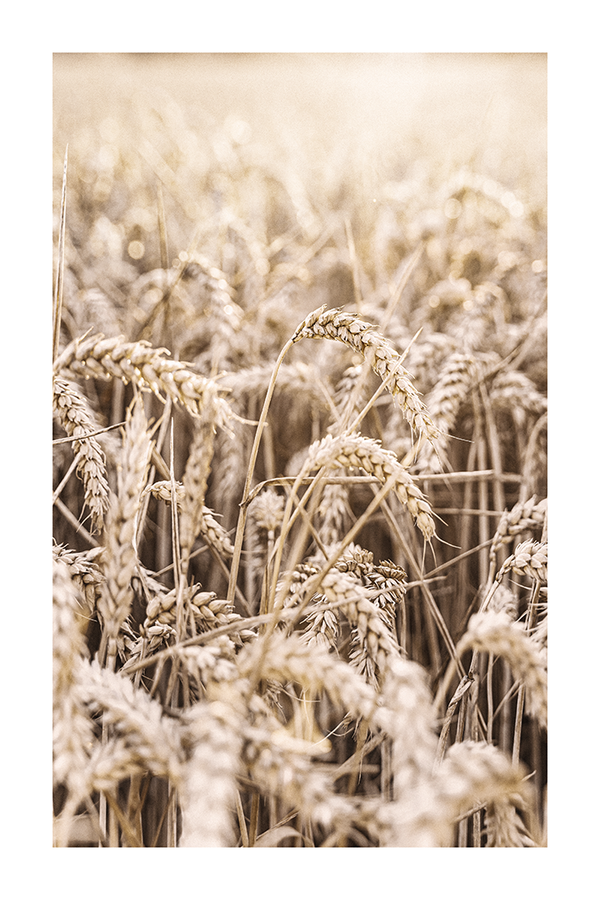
(300,435)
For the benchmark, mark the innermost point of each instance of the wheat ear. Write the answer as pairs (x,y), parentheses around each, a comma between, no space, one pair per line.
(289,659)
(210,529)
(213,730)
(495,632)
(135,718)
(530,558)
(503,825)
(77,419)
(357,451)
(407,715)
(137,363)
(471,773)
(85,573)
(195,477)
(72,728)
(280,764)
(338,325)
(525,515)
(120,557)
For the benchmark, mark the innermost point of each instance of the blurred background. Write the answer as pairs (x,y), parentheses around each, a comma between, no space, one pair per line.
(392,109)
(286,141)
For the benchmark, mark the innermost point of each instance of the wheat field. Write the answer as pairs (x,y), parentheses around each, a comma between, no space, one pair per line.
(299,451)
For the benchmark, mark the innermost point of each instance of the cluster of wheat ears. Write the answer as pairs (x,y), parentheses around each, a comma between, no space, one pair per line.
(300,549)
